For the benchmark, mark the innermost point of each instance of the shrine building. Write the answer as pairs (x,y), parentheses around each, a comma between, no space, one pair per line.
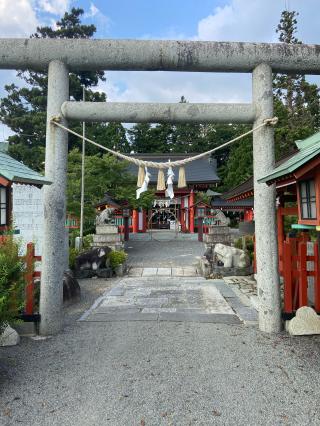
(181,212)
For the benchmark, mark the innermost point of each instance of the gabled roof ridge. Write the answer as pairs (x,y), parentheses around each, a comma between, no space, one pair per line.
(15,171)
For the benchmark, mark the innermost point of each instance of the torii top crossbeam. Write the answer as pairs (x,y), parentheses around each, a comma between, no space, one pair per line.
(156,55)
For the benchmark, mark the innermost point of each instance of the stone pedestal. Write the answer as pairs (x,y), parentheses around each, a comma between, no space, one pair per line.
(217,234)
(107,235)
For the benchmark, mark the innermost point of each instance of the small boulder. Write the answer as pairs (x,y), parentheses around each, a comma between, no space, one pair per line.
(9,337)
(208,254)
(231,256)
(104,273)
(71,287)
(305,322)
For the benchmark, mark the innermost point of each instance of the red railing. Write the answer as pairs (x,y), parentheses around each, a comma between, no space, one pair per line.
(30,276)
(296,271)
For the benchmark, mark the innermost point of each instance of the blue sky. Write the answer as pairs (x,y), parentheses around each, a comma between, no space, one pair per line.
(234,20)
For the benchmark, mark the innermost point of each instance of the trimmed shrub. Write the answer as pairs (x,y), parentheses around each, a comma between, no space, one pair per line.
(12,281)
(117,258)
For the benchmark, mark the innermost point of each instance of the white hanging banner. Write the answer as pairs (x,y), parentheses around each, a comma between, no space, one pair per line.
(144,186)
(169,191)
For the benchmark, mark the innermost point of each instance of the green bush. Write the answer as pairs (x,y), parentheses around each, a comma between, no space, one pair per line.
(117,258)
(73,253)
(12,281)
(87,241)
(248,245)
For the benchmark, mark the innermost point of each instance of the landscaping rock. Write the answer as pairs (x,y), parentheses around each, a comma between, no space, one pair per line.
(9,337)
(104,273)
(71,287)
(84,273)
(231,256)
(305,322)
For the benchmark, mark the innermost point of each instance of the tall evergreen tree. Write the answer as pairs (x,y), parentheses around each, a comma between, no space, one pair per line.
(296,101)
(23,110)
(187,137)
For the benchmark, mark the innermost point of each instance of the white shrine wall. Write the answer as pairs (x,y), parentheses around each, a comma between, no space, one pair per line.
(28,216)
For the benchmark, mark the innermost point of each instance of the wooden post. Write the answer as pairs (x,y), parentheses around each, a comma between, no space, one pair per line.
(135,221)
(126,228)
(281,237)
(200,228)
(316,278)
(191,212)
(29,291)
(303,281)
(182,221)
(287,276)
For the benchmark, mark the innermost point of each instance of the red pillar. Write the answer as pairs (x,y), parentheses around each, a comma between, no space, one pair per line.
(281,238)
(191,212)
(144,220)
(182,221)
(29,303)
(135,221)
(126,228)
(200,228)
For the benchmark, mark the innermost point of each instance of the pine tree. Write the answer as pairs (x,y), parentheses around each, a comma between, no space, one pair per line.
(23,110)
(187,137)
(296,101)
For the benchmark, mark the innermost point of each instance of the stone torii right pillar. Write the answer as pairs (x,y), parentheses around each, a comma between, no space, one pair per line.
(265,204)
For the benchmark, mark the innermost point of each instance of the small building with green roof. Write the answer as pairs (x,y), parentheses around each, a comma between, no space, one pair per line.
(299,175)
(14,174)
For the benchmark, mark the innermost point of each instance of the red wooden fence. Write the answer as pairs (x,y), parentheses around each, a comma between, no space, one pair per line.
(30,276)
(295,272)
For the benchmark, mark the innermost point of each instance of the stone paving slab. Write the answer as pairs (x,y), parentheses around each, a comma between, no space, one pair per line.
(118,309)
(114,317)
(246,313)
(149,272)
(177,272)
(164,272)
(199,317)
(135,272)
(116,291)
(177,299)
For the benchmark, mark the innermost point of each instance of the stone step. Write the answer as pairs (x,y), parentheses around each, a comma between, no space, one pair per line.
(164,272)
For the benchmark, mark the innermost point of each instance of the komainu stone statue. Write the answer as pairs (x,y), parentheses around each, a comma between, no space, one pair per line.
(220,218)
(105,217)
(231,256)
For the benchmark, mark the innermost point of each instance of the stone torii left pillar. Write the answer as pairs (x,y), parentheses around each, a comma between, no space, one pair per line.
(54,239)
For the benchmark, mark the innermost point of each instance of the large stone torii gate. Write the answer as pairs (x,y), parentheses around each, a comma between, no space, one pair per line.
(61,56)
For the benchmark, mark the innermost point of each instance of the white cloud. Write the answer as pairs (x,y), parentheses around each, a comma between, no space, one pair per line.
(237,20)
(103,21)
(54,7)
(150,86)
(17,18)
(93,10)
(241,20)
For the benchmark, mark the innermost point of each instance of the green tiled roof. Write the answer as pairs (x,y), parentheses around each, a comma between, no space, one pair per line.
(308,149)
(15,171)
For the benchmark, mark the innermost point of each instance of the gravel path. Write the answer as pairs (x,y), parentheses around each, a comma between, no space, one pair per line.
(151,373)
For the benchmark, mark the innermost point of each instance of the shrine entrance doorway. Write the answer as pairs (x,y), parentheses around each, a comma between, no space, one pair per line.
(163,223)
(164,215)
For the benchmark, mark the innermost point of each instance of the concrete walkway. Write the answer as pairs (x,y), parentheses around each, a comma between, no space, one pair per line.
(170,299)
